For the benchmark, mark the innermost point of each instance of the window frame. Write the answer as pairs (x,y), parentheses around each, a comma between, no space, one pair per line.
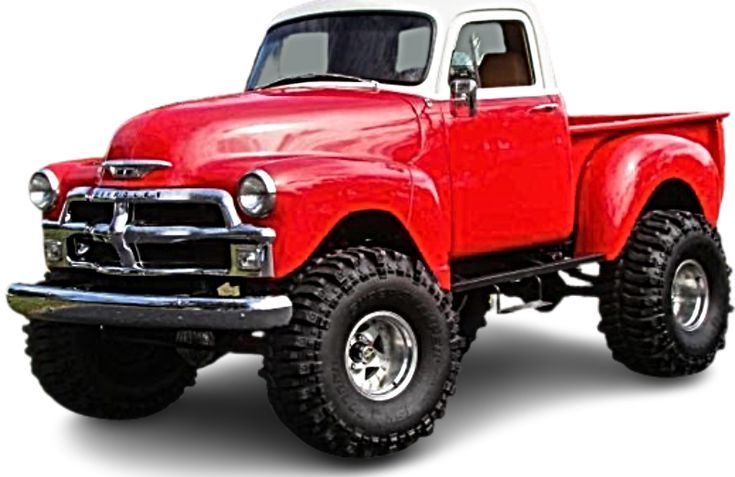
(495,16)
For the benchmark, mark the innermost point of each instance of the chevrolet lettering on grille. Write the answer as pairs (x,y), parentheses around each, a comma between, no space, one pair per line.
(114,194)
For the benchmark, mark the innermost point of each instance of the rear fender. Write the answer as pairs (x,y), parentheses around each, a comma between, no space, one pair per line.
(622,176)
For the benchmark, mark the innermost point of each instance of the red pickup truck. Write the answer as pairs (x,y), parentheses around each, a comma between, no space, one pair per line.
(388,175)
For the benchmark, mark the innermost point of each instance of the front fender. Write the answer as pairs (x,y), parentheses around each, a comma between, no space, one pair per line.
(621,177)
(71,174)
(316,194)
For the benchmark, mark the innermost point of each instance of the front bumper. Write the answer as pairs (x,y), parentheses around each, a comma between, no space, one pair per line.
(68,305)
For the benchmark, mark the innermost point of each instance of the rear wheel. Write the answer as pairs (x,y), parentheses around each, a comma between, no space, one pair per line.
(371,355)
(666,301)
(88,371)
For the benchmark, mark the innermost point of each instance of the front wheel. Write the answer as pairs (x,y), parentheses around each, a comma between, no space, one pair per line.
(666,301)
(370,358)
(89,371)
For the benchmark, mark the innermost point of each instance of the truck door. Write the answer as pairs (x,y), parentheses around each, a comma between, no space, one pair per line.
(510,162)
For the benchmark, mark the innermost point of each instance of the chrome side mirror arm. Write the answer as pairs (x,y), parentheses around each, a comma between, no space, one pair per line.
(464,97)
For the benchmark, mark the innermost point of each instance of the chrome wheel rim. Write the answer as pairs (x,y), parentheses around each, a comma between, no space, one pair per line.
(690,296)
(381,355)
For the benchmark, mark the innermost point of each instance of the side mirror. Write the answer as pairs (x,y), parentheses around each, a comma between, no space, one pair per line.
(464,97)
(463,84)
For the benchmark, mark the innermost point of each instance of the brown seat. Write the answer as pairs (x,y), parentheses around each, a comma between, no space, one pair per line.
(503,70)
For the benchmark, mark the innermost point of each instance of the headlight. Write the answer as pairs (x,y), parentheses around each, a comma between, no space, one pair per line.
(44,189)
(257,194)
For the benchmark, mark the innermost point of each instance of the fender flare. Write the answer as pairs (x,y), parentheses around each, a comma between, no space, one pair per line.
(621,178)
(317,194)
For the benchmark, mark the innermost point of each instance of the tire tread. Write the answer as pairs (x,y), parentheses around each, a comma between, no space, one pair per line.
(633,317)
(294,384)
(70,379)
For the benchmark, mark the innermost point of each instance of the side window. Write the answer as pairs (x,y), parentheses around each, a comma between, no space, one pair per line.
(501,51)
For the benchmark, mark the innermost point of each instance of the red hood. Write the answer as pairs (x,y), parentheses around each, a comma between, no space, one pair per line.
(250,129)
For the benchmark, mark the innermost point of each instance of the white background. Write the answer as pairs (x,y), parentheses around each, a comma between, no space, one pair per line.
(538,395)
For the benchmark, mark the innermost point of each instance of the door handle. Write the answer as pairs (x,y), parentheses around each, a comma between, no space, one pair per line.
(545,108)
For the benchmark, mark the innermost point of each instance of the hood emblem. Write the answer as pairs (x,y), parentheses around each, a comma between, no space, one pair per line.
(133,168)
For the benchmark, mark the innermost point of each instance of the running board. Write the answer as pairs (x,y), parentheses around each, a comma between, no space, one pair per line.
(517,275)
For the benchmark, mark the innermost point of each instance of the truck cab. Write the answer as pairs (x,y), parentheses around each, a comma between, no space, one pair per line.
(390,175)
(487,72)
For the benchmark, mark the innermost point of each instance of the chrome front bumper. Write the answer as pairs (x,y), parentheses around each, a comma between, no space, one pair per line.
(68,305)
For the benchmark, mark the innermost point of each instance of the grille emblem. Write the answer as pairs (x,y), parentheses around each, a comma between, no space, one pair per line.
(133,168)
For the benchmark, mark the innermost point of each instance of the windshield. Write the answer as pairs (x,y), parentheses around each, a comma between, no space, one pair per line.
(386,47)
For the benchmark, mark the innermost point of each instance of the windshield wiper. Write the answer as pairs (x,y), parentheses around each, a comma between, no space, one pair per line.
(307,78)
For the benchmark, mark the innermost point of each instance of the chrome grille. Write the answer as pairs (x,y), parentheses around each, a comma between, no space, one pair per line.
(155,232)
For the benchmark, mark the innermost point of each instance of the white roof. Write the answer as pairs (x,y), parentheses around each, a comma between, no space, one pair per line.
(444,11)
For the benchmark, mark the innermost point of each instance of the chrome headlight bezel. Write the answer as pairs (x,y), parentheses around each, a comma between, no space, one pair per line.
(256,194)
(43,190)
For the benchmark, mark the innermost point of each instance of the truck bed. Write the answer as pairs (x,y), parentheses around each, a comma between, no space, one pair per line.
(589,132)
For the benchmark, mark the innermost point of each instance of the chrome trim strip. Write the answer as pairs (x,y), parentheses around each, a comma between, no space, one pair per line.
(124,237)
(270,184)
(136,162)
(271,189)
(53,180)
(67,305)
(135,234)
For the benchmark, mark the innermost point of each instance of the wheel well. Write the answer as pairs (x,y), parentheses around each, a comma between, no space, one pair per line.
(372,228)
(674,195)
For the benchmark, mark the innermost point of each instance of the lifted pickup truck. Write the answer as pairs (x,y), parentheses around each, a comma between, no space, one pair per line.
(388,175)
